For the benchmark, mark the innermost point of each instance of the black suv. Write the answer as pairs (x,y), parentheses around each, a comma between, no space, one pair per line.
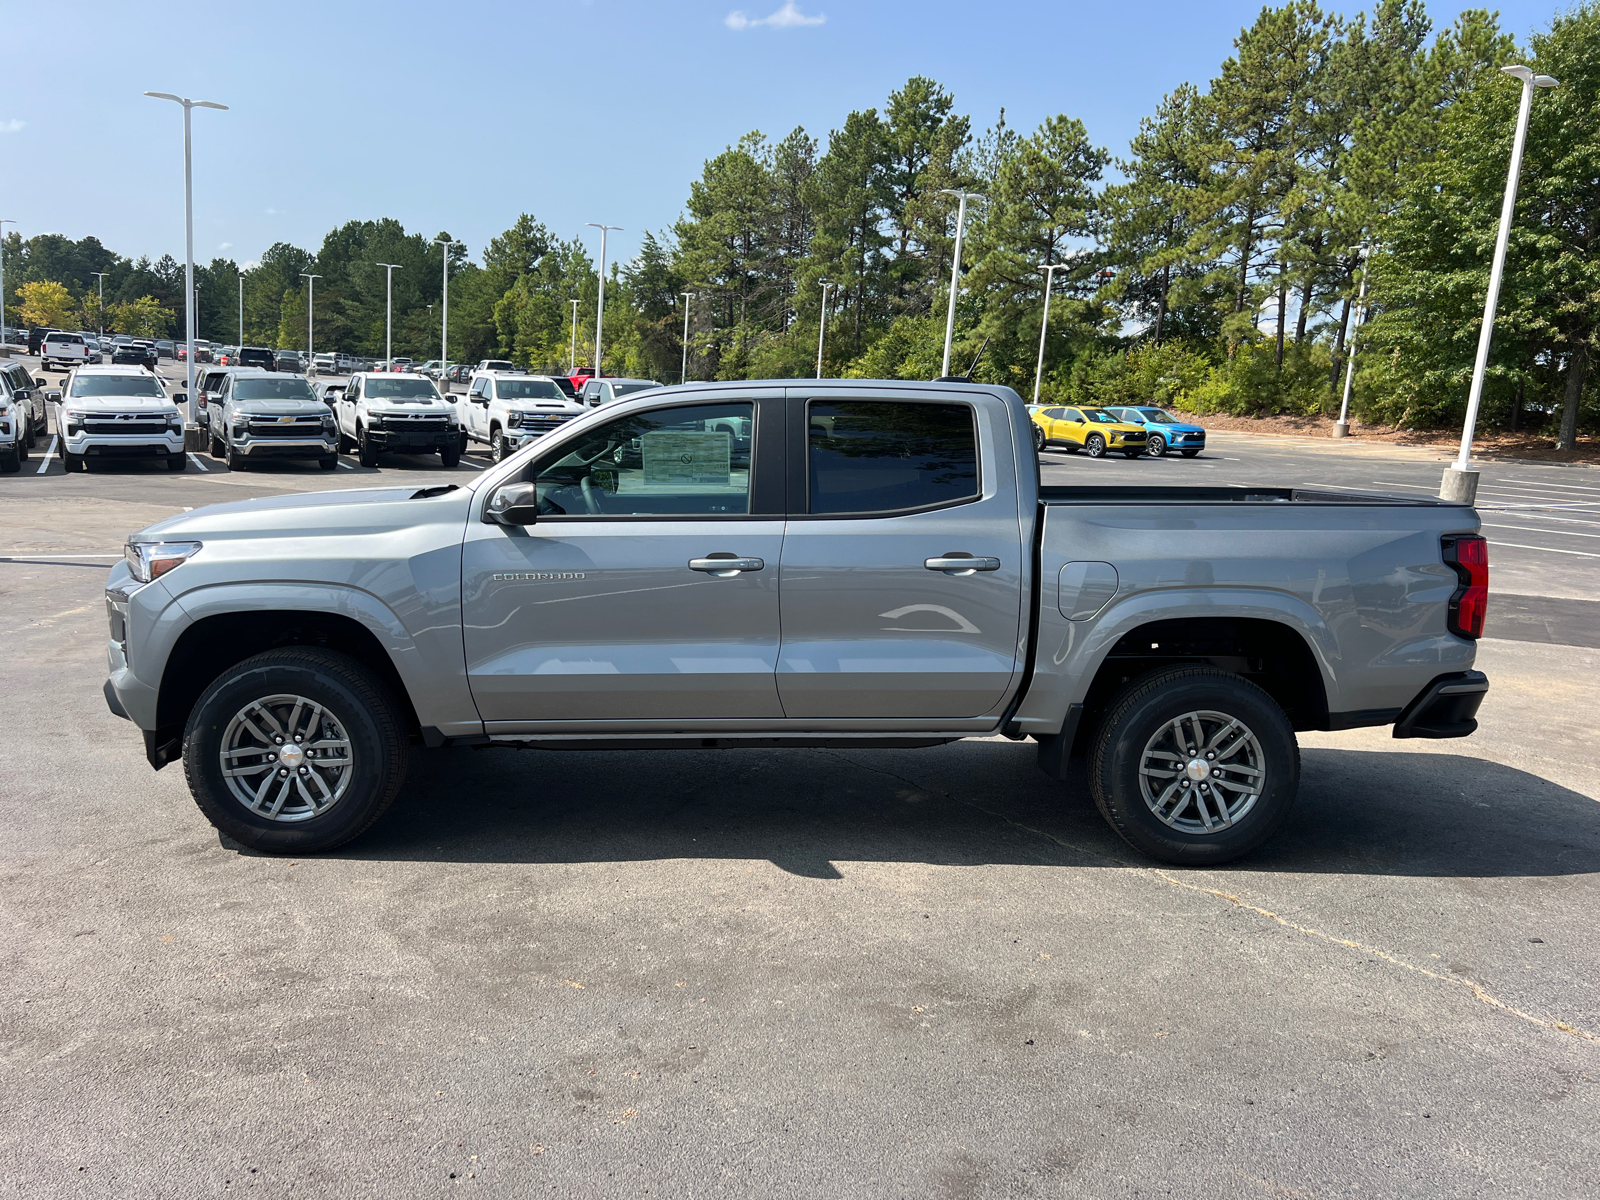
(255,356)
(287,360)
(138,353)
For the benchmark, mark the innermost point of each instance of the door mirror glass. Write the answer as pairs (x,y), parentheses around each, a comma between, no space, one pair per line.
(514,504)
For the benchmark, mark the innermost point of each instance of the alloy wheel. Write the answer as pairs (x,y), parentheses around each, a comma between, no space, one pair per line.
(1202,772)
(286,758)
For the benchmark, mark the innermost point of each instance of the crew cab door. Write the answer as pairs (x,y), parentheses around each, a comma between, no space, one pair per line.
(476,412)
(889,499)
(616,605)
(345,407)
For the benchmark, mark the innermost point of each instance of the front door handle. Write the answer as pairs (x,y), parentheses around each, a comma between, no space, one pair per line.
(959,563)
(725,566)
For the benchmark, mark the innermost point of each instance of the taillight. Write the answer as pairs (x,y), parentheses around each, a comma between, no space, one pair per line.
(1470,558)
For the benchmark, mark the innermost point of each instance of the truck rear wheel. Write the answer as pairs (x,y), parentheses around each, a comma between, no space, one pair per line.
(1194,766)
(295,751)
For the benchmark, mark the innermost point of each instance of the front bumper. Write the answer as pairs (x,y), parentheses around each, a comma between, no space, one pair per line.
(405,439)
(1446,708)
(287,447)
(100,445)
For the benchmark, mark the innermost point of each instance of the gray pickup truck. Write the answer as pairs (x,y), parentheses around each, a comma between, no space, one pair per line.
(837,563)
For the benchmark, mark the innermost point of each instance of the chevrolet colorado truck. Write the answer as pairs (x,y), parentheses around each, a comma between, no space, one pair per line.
(830,563)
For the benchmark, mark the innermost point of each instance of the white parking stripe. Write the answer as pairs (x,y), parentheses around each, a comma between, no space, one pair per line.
(1571,487)
(1546,549)
(195,458)
(469,463)
(48,455)
(345,466)
(1536,529)
(47,557)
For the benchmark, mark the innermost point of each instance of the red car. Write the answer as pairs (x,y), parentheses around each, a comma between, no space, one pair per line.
(579,376)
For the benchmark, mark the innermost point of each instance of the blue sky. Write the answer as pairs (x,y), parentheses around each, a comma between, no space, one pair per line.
(460,116)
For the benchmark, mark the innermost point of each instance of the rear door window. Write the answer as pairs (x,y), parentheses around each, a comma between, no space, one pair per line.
(877,456)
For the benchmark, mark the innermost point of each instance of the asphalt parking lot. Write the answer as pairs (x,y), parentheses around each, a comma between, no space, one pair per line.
(803,973)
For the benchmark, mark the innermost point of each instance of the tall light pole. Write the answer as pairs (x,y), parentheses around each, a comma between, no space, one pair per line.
(1049,270)
(241,310)
(600,310)
(311,310)
(684,377)
(3,223)
(955,269)
(444,318)
(101,275)
(188,235)
(1341,427)
(572,355)
(822,326)
(388,315)
(1460,481)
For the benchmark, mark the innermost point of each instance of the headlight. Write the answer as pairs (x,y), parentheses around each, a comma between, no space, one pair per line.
(451,421)
(375,420)
(74,422)
(327,422)
(513,418)
(151,560)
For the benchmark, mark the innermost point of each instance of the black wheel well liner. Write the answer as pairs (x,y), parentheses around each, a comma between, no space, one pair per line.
(213,644)
(1270,654)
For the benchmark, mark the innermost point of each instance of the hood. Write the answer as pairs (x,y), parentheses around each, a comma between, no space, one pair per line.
(571,407)
(309,514)
(143,404)
(280,408)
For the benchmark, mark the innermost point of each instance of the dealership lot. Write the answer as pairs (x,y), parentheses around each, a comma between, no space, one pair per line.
(807,972)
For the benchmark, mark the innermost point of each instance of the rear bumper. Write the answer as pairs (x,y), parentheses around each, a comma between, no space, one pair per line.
(1446,708)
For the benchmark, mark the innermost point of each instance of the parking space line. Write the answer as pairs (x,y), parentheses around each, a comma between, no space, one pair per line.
(1568,487)
(344,466)
(48,455)
(195,458)
(1536,529)
(1546,549)
(469,463)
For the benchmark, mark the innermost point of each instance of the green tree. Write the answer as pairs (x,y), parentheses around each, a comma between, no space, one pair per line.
(144,317)
(45,302)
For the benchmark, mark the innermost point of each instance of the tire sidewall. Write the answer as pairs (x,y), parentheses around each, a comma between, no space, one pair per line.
(1095,445)
(268,675)
(1157,446)
(1159,698)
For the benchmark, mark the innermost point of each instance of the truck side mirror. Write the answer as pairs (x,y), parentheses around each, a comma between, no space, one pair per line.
(180,398)
(53,396)
(514,504)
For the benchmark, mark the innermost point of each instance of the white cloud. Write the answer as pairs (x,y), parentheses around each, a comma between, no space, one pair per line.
(225,246)
(272,212)
(12,126)
(787,17)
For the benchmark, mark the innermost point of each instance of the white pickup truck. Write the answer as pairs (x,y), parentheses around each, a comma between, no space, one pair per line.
(64,351)
(509,411)
(379,411)
(118,412)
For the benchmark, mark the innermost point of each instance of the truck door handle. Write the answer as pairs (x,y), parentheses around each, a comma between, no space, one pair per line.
(725,566)
(958,563)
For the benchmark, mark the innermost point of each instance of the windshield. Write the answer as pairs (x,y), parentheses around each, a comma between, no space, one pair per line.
(627,389)
(1155,416)
(401,388)
(528,389)
(272,389)
(117,385)
(1102,416)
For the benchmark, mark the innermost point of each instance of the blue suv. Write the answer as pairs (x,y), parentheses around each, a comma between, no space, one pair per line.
(1165,430)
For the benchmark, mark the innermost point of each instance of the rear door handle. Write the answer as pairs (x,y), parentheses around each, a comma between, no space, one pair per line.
(961,564)
(725,566)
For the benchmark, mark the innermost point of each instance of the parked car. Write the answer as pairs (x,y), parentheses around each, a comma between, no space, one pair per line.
(266,414)
(324,364)
(1165,431)
(62,351)
(344,363)
(433,369)
(19,429)
(92,342)
(495,364)
(256,356)
(400,366)
(165,348)
(565,384)
(580,377)
(287,361)
(507,412)
(19,388)
(36,336)
(208,387)
(1095,431)
(204,352)
(136,352)
(329,393)
(571,598)
(603,391)
(379,412)
(117,412)
(459,373)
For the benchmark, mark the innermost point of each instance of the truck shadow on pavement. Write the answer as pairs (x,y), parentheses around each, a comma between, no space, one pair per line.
(1401,813)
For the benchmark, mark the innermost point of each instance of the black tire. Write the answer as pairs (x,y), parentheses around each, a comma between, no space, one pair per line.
(1038,439)
(372,720)
(215,449)
(177,462)
(1141,716)
(366,452)
(463,441)
(23,443)
(71,462)
(346,446)
(450,455)
(328,462)
(10,463)
(1157,446)
(1188,453)
(1095,446)
(497,439)
(235,460)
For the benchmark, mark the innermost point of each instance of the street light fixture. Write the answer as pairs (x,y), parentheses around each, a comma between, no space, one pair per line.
(822,325)
(684,377)
(101,325)
(600,310)
(1460,482)
(388,314)
(1341,427)
(1049,270)
(311,311)
(955,268)
(444,319)
(188,234)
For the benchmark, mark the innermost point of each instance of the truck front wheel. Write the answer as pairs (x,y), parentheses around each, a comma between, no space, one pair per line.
(295,751)
(1194,766)
(366,452)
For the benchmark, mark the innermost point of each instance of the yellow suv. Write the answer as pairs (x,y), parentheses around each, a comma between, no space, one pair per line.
(1096,431)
